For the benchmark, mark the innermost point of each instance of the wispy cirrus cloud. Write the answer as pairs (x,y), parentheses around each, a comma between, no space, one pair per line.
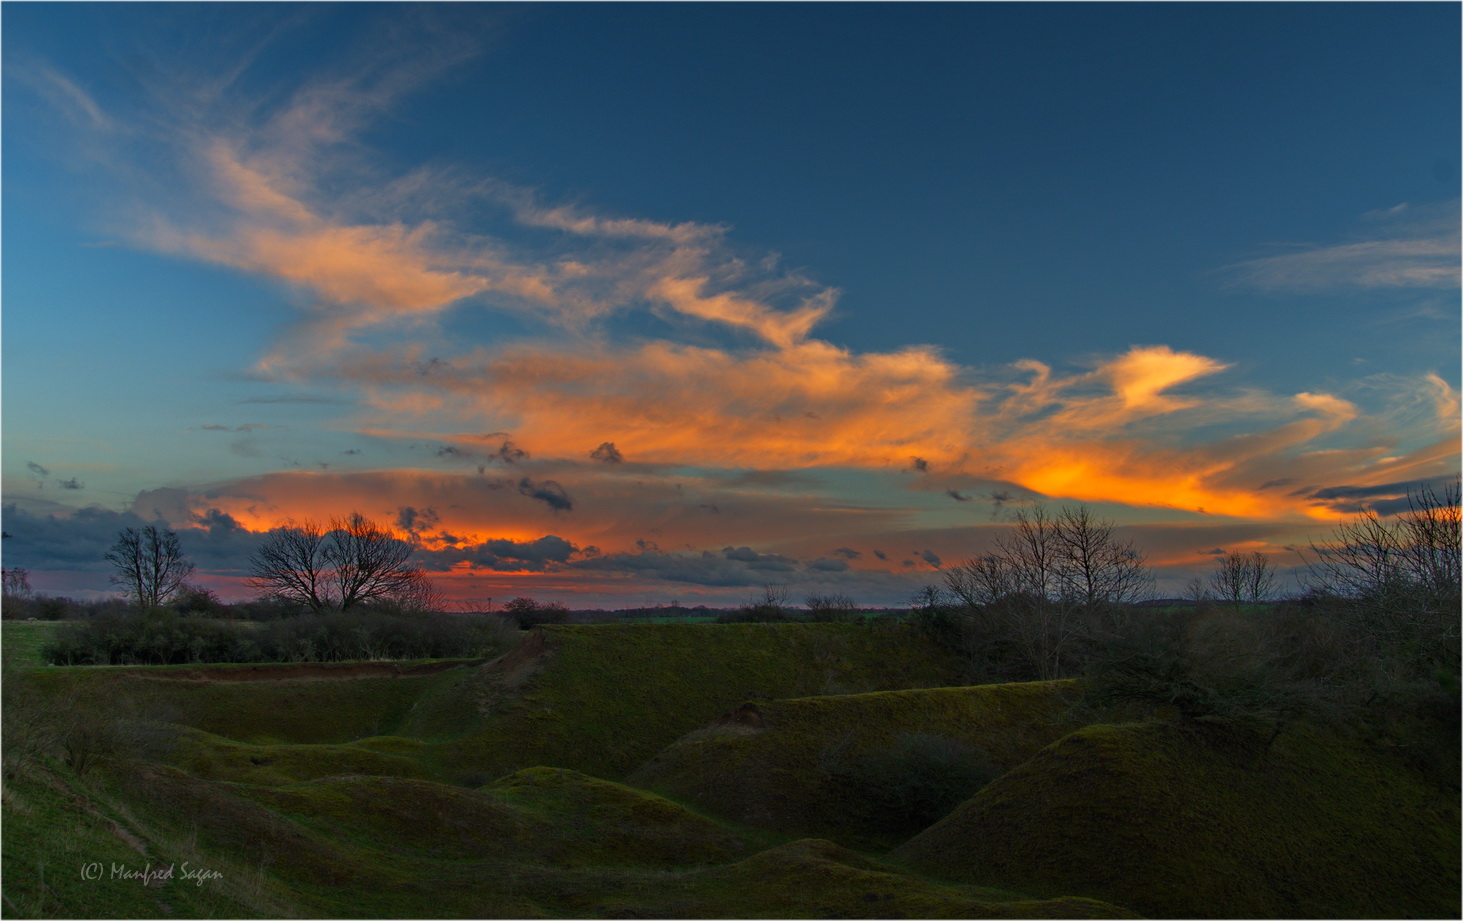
(731,373)
(1408,247)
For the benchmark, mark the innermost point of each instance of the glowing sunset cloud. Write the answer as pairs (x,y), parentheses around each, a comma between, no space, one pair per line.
(379,275)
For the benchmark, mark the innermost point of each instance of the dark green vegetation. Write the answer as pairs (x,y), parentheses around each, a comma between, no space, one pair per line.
(163,636)
(605,699)
(740,770)
(1208,820)
(865,770)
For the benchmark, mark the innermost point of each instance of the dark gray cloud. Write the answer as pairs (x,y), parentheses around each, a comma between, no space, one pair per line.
(72,483)
(548,492)
(37,469)
(848,553)
(1384,498)
(762,562)
(705,568)
(957,495)
(881,555)
(79,541)
(607,453)
(409,518)
(929,556)
(503,554)
(919,464)
(824,564)
(510,453)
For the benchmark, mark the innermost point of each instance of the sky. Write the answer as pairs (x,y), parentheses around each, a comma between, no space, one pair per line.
(635,304)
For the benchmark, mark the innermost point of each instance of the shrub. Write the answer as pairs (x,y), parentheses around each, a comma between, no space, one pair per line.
(831,609)
(197,601)
(157,637)
(530,613)
(161,637)
(768,608)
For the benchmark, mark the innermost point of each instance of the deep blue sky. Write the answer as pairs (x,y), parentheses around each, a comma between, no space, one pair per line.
(1253,208)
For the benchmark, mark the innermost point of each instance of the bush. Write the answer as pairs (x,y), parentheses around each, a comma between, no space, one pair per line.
(835,609)
(157,637)
(530,613)
(161,637)
(768,608)
(197,601)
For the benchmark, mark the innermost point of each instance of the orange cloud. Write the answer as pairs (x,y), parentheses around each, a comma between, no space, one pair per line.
(811,404)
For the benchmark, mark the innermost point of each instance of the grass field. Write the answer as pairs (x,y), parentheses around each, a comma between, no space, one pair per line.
(21,642)
(679,771)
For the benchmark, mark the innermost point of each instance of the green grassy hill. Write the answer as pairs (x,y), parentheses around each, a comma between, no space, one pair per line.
(604,699)
(859,768)
(501,790)
(1205,821)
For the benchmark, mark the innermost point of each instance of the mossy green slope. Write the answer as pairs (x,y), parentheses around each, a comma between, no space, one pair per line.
(812,878)
(775,764)
(604,699)
(213,757)
(258,712)
(600,822)
(1206,821)
(67,853)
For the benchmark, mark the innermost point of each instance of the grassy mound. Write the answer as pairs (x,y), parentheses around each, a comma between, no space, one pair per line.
(868,770)
(213,757)
(54,831)
(598,822)
(818,879)
(330,711)
(1204,821)
(406,816)
(604,699)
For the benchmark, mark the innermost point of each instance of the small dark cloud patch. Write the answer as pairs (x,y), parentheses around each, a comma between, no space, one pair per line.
(881,555)
(1276,484)
(647,545)
(37,469)
(848,553)
(510,453)
(763,562)
(919,465)
(711,507)
(548,492)
(1384,498)
(501,554)
(415,520)
(451,452)
(957,495)
(1217,551)
(72,483)
(929,556)
(825,564)
(607,453)
(352,451)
